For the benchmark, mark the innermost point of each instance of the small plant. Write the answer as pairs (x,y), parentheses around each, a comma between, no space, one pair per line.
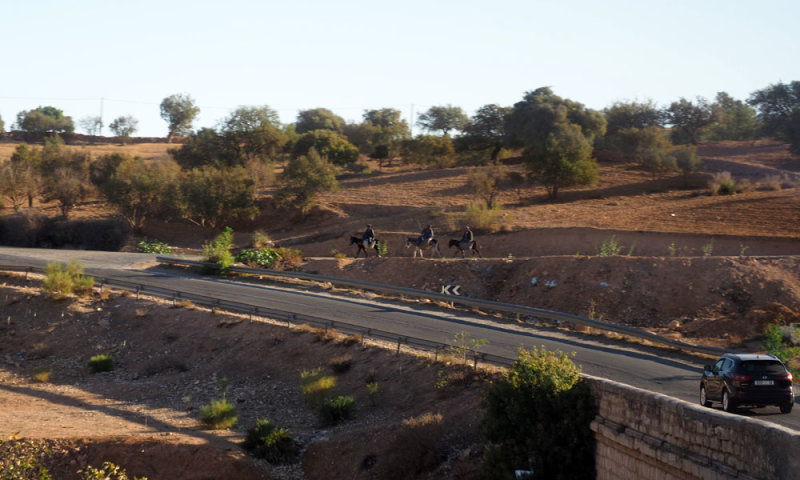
(722,183)
(23,459)
(101,363)
(742,248)
(270,442)
(383,248)
(610,246)
(341,364)
(483,217)
(109,471)
(61,281)
(153,247)
(373,393)
(289,258)
(219,251)
(315,386)
(337,254)
(708,248)
(463,345)
(775,344)
(218,415)
(42,374)
(263,257)
(336,410)
(673,249)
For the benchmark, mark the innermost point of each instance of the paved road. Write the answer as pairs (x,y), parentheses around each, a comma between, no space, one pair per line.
(649,369)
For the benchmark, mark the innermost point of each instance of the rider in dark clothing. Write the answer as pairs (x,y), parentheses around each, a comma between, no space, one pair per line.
(426,236)
(369,236)
(467,238)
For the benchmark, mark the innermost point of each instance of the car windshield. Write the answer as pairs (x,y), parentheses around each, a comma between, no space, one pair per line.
(762,367)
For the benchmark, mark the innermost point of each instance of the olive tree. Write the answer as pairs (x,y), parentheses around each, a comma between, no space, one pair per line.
(42,120)
(775,105)
(486,130)
(213,197)
(318,119)
(123,127)
(328,144)
(179,111)
(688,120)
(443,118)
(304,178)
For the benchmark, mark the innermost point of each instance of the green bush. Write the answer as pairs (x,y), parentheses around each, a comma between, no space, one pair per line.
(537,417)
(610,246)
(264,257)
(42,374)
(316,386)
(219,251)
(218,415)
(153,247)
(774,342)
(101,363)
(383,248)
(481,217)
(722,183)
(63,280)
(270,442)
(338,409)
(23,460)
(109,471)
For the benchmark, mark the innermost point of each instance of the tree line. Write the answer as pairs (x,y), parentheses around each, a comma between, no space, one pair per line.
(212,177)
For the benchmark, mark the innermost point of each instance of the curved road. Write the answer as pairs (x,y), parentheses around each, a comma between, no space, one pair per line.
(676,376)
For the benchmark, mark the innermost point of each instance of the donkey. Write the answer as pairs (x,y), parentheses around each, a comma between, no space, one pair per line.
(362,247)
(462,247)
(433,246)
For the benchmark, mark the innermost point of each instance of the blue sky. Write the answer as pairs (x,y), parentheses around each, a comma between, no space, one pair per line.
(350,56)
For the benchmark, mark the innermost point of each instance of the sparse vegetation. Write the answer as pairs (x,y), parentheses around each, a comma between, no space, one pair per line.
(219,414)
(219,251)
(153,247)
(610,246)
(62,281)
(270,442)
(101,363)
(722,183)
(264,257)
(337,409)
(481,217)
(316,386)
(777,341)
(108,471)
(373,393)
(23,459)
(341,364)
(708,248)
(42,374)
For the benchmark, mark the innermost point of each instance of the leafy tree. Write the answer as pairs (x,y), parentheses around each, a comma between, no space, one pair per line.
(44,120)
(65,174)
(91,125)
(252,133)
(537,417)
(2,125)
(328,144)
(557,136)
(486,130)
(688,120)
(428,150)
(732,119)
(138,189)
(179,111)
(444,118)
(658,162)
(206,147)
(304,178)
(624,115)
(213,197)
(24,169)
(483,182)
(775,105)
(319,119)
(123,127)
(687,161)
(382,127)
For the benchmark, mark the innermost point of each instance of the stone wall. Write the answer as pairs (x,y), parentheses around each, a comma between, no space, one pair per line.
(641,434)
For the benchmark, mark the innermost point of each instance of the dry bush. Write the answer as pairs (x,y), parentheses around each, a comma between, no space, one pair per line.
(772,182)
(418,447)
(744,185)
(722,183)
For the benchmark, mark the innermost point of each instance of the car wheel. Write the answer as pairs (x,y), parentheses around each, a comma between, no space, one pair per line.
(787,407)
(703,398)
(727,403)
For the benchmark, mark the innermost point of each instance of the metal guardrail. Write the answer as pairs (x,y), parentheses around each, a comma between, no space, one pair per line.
(216,304)
(532,312)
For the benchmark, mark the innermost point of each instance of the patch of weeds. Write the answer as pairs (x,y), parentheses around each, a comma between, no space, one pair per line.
(153,247)
(62,281)
(219,251)
(722,183)
(483,217)
(373,393)
(264,257)
(610,246)
(742,248)
(108,471)
(42,374)
(270,442)
(336,410)
(383,248)
(673,249)
(708,248)
(775,341)
(23,459)
(260,240)
(187,304)
(101,363)
(462,345)
(316,386)
(218,415)
(337,254)
(341,364)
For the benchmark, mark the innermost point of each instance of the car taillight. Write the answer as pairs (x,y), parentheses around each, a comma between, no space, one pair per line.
(739,377)
(787,377)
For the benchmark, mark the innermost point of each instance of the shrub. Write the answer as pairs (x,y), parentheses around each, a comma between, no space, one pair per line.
(153,247)
(270,442)
(289,258)
(772,182)
(373,393)
(610,246)
(260,240)
(335,410)
(484,218)
(101,363)
(341,364)
(315,386)
(262,257)
(219,251)
(218,415)
(537,417)
(383,248)
(42,374)
(109,471)
(708,248)
(775,344)
(63,280)
(23,460)
(722,183)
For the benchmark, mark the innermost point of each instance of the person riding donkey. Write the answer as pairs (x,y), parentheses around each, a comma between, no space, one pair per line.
(369,237)
(426,236)
(467,239)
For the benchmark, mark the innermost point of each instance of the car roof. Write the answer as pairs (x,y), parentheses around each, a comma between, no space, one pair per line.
(750,356)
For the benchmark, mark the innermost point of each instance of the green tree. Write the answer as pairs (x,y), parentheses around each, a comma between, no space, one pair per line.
(443,118)
(428,150)
(318,119)
(628,125)
(43,120)
(65,174)
(206,147)
(304,178)
(213,197)
(138,189)
(252,133)
(179,111)
(483,182)
(486,130)
(91,125)
(688,120)
(775,105)
(732,119)
(2,125)
(328,144)
(687,161)
(537,417)
(25,166)
(383,127)
(556,135)
(123,127)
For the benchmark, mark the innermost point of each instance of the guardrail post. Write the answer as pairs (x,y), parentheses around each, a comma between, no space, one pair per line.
(364,333)
(27,271)
(214,307)
(138,288)
(399,340)
(289,319)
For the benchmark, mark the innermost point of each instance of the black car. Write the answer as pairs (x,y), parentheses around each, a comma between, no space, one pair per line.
(747,379)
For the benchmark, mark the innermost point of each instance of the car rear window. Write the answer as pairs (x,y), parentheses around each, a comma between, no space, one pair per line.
(762,367)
